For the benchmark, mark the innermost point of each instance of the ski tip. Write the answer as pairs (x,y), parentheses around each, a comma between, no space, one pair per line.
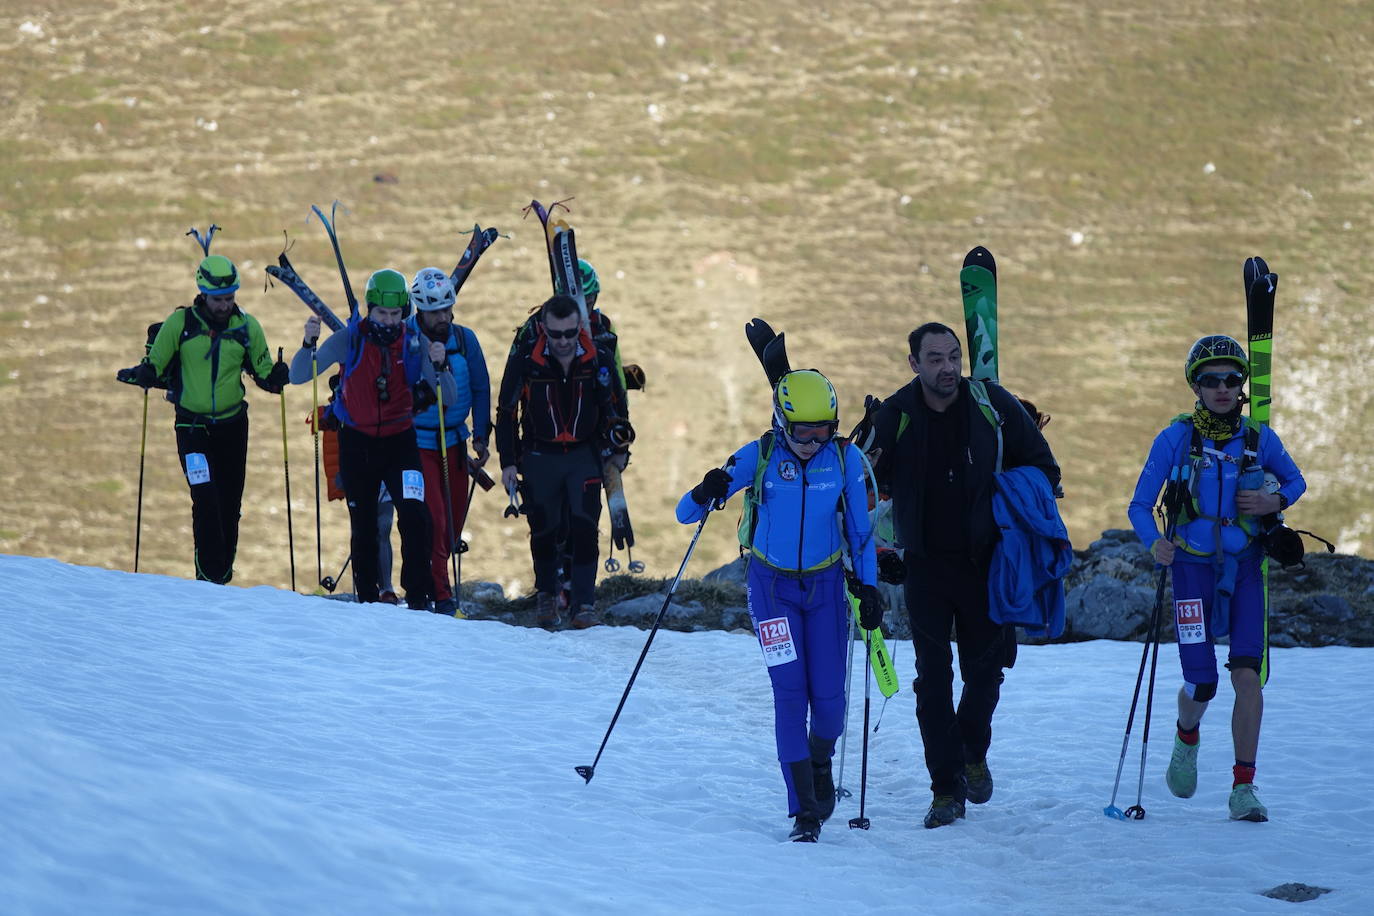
(775,361)
(980,257)
(759,332)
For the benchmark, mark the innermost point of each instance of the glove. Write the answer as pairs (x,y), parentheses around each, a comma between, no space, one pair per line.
(423,396)
(279,377)
(715,485)
(891,568)
(143,375)
(870,607)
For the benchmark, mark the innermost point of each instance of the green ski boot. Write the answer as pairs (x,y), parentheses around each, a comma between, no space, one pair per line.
(1182,773)
(1245,804)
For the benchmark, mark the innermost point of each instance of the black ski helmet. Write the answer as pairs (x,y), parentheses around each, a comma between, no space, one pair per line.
(1213,347)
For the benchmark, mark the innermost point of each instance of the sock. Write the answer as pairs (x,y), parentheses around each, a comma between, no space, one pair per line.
(1244,772)
(1191,736)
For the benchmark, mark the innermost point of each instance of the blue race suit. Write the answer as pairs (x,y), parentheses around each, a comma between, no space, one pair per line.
(1215,592)
(796,582)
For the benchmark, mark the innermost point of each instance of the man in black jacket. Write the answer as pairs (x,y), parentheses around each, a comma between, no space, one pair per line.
(937,442)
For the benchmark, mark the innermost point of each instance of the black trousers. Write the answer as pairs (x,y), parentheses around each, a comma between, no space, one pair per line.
(561,496)
(939,594)
(213,457)
(364,463)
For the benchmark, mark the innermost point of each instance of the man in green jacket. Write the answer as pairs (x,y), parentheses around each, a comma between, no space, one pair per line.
(199,354)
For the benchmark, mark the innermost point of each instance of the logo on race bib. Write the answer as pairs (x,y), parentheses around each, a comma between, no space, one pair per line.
(1188,618)
(197,468)
(775,638)
(413,485)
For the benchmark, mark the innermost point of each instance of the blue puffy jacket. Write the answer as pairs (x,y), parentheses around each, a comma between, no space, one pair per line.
(469,368)
(1030,561)
(797,528)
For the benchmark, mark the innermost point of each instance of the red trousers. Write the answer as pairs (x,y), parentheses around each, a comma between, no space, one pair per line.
(445,539)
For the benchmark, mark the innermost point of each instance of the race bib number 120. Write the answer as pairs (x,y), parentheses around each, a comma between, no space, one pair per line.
(775,638)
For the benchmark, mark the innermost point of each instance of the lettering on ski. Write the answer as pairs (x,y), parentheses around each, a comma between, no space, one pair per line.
(883,671)
(284,272)
(1261,286)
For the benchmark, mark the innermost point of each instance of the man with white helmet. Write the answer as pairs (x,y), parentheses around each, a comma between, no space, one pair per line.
(432,295)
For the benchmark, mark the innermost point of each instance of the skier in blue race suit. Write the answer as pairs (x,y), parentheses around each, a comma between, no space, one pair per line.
(1230,477)
(804,484)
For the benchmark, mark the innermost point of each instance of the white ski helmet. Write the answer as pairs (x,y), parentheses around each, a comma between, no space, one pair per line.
(432,290)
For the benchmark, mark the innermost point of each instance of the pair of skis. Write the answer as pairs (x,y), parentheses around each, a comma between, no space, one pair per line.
(1260,287)
(566,276)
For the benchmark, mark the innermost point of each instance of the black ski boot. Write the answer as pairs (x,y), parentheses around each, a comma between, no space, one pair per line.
(822,749)
(807,826)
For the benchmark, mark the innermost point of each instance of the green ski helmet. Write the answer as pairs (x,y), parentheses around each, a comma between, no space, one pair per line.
(217,276)
(591,283)
(1214,347)
(388,289)
(804,396)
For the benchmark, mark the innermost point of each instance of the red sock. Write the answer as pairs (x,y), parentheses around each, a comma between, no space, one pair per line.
(1243,774)
(1190,737)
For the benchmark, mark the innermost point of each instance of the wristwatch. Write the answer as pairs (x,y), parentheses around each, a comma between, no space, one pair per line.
(1283,502)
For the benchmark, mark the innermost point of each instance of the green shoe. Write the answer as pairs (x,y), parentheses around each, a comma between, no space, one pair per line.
(1182,773)
(1245,804)
(977,782)
(944,810)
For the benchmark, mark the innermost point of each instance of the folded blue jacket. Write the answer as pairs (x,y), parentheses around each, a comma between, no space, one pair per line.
(1030,561)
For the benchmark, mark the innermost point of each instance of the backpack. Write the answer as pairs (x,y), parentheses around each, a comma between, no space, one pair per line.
(979,391)
(753,494)
(192,326)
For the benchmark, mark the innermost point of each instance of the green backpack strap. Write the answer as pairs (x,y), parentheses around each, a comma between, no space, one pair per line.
(753,494)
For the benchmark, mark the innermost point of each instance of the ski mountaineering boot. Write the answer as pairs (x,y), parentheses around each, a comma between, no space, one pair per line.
(822,749)
(807,826)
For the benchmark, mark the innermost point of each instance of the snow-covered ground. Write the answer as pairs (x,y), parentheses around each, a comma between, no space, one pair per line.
(174,747)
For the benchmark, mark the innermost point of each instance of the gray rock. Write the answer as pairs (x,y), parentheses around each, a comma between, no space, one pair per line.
(644,609)
(730,572)
(735,618)
(1333,606)
(1107,608)
(487,591)
(1296,892)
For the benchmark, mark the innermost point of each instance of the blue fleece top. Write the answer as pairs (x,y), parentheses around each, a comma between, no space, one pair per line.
(1216,486)
(797,525)
(1032,557)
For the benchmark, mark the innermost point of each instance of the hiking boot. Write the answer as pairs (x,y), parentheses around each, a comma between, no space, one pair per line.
(944,810)
(1245,804)
(418,603)
(546,611)
(1181,776)
(977,782)
(806,828)
(822,777)
(585,617)
(388,598)
(446,606)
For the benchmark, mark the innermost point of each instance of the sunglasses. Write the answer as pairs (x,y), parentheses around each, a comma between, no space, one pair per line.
(568,334)
(1220,379)
(808,433)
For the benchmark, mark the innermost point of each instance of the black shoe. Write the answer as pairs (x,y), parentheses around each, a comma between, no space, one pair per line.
(805,830)
(822,777)
(977,782)
(944,810)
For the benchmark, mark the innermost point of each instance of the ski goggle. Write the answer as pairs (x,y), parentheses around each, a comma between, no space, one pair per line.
(388,299)
(1220,379)
(809,433)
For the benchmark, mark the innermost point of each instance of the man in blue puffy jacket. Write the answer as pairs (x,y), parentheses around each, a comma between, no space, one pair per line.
(433,297)
(806,503)
(1220,461)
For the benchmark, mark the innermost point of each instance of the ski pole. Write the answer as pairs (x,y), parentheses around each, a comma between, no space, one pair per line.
(142,452)
(450,534)
(329,583)
(587,772)
(315,429)
(286,471)
(1136,812)
(862,822)
(840,790)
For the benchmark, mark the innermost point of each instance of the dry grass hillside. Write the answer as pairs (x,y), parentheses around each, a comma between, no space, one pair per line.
(823,165)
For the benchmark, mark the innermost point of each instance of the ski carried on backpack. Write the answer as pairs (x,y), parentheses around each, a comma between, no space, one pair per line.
(286,274)
(328,222)
(481,240)
(1260,288)
(978,284)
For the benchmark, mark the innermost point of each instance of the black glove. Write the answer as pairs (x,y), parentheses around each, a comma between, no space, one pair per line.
(143,375)
(423,396)
(891,569)
(715,485)
(279,377)
(871,606)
